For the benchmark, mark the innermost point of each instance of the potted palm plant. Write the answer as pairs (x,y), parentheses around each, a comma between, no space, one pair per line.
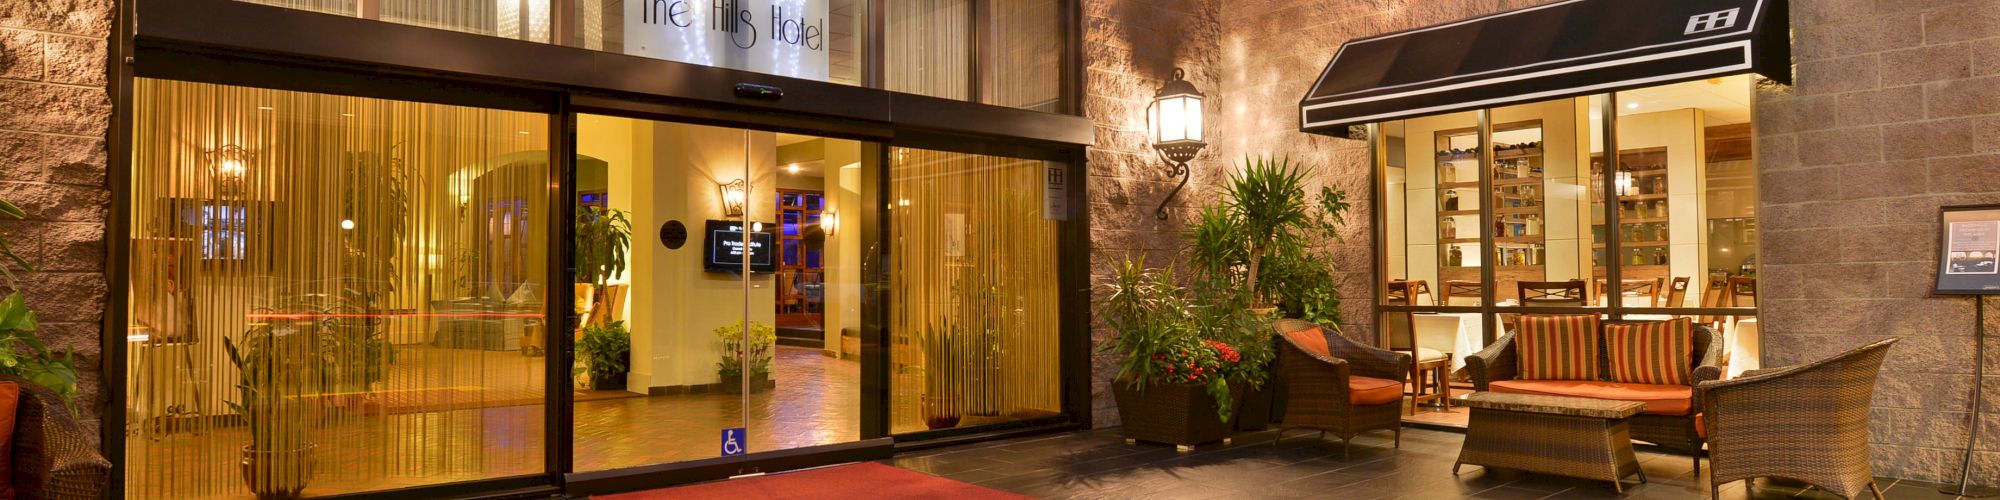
(603,239)
(278,462)
(1262,248)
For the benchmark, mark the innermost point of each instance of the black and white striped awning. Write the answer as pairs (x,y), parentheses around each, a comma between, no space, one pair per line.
(1557,50)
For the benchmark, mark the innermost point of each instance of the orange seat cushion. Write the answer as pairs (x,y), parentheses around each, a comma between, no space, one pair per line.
(10,398)
(1659,399)
(1313,340)
(1364,391)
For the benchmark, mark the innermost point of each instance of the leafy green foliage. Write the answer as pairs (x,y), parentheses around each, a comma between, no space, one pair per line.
(270,380)
(763,341)
(1267,203)
(23,355)
(1165,334)
(603,236)
(1267,241)
(607,350)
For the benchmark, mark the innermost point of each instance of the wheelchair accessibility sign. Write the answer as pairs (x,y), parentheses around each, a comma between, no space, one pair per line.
(734,441)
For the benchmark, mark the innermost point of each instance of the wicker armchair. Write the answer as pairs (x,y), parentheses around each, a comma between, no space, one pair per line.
(1317,385)
(1499,361)
(1807,422)
(53,456)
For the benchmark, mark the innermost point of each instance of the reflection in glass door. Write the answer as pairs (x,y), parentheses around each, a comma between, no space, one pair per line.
(711,296)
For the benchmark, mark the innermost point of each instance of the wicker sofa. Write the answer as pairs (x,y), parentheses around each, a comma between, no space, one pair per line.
(1338,386)
(53,456)
(1669,421)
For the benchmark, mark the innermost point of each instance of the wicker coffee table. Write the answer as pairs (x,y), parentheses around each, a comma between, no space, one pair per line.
(1565,436)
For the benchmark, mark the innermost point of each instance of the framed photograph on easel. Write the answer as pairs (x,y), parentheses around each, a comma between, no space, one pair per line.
(1969,250)
(1969,264)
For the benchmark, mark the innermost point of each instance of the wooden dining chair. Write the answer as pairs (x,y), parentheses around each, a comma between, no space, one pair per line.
(1641,288)
(1677,292)
(1742,292)
(1456,290)
(1553,293)
(1430,373)
(1713,297)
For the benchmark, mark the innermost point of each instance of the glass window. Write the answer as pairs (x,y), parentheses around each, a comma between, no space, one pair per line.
(973,311)
(1523,204)
(342,294)
(1001,52)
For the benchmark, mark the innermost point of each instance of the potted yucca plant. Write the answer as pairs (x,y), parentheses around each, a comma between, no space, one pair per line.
(274,371)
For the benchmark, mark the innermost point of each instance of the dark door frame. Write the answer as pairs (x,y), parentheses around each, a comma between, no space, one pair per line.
(280,48)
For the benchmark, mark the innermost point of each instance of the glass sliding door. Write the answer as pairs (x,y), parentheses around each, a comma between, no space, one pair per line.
(974,313)
(739,294)
(332,294)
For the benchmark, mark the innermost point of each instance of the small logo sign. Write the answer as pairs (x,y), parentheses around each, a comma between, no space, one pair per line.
(734,441)
(1712,21)
(1055,192)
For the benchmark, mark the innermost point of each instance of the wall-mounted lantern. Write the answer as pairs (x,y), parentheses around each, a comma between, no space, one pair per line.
(1175,118)
(734,194)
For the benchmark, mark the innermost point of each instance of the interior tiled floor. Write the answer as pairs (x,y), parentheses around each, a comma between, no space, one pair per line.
(817,401)
(1098,464)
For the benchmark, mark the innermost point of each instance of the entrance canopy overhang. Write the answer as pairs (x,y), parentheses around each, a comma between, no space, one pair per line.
(1557,50)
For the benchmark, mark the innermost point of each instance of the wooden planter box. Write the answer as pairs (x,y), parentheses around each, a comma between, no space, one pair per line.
(1180,415)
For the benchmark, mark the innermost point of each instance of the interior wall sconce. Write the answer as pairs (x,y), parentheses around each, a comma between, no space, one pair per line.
(228,166)
(829,222)
(1176,121)
(734,194)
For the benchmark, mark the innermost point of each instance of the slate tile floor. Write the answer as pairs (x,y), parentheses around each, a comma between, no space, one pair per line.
(1098,464)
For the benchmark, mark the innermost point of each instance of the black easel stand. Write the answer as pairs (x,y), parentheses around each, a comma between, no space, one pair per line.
(1963,488)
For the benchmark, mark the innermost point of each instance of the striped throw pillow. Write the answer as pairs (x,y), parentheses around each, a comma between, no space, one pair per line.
(1653,352)
(1562,347)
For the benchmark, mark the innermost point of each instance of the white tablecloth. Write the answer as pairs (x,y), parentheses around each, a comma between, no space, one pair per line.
(1742,344)
(1455,333)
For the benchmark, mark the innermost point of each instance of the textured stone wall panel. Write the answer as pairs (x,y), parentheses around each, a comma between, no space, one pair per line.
(1893,116)
(54,114)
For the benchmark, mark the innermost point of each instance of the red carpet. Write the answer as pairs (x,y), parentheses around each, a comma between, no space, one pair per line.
(862,481)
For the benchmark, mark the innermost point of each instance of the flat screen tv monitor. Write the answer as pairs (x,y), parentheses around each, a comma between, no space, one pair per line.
(723,248)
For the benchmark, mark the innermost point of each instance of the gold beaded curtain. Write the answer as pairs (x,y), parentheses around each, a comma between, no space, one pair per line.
(974,306)
(380,268)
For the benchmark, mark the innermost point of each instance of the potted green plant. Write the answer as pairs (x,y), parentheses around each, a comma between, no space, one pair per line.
(1263,248)
(763,344)
(278,462)
(942,351)
(607,354)
(1180,377)
(603,241)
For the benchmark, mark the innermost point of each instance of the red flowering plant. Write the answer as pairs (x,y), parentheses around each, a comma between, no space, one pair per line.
(1164,335)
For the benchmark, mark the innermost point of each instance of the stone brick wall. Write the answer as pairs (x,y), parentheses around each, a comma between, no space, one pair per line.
(1894,114)
(1254,59)
(1131,47)
(54,112)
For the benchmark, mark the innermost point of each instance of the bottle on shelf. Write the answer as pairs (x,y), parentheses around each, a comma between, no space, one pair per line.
(1456,258)
(1449,174)
(1450,227)
(1450,201)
